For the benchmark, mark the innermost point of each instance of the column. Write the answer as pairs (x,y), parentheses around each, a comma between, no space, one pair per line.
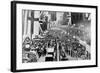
(29,24)
(59,16)
(36,24)
(58,52)
(25,12)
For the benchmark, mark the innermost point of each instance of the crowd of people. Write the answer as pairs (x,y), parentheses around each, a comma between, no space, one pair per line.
(34,49)
(74,51)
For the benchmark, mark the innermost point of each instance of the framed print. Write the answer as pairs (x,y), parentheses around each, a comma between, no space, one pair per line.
(47,36)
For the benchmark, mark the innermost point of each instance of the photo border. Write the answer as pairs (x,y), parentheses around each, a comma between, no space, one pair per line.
(13,34)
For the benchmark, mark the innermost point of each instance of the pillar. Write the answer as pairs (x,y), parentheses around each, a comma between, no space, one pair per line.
(24,18)
(29,24)
(36,25)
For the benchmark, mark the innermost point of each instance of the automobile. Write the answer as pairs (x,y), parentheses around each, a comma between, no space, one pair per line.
(49,57)
(50,54)
(50,50)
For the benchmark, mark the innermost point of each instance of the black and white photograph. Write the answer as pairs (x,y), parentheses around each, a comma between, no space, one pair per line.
(48,36)
(55,36)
